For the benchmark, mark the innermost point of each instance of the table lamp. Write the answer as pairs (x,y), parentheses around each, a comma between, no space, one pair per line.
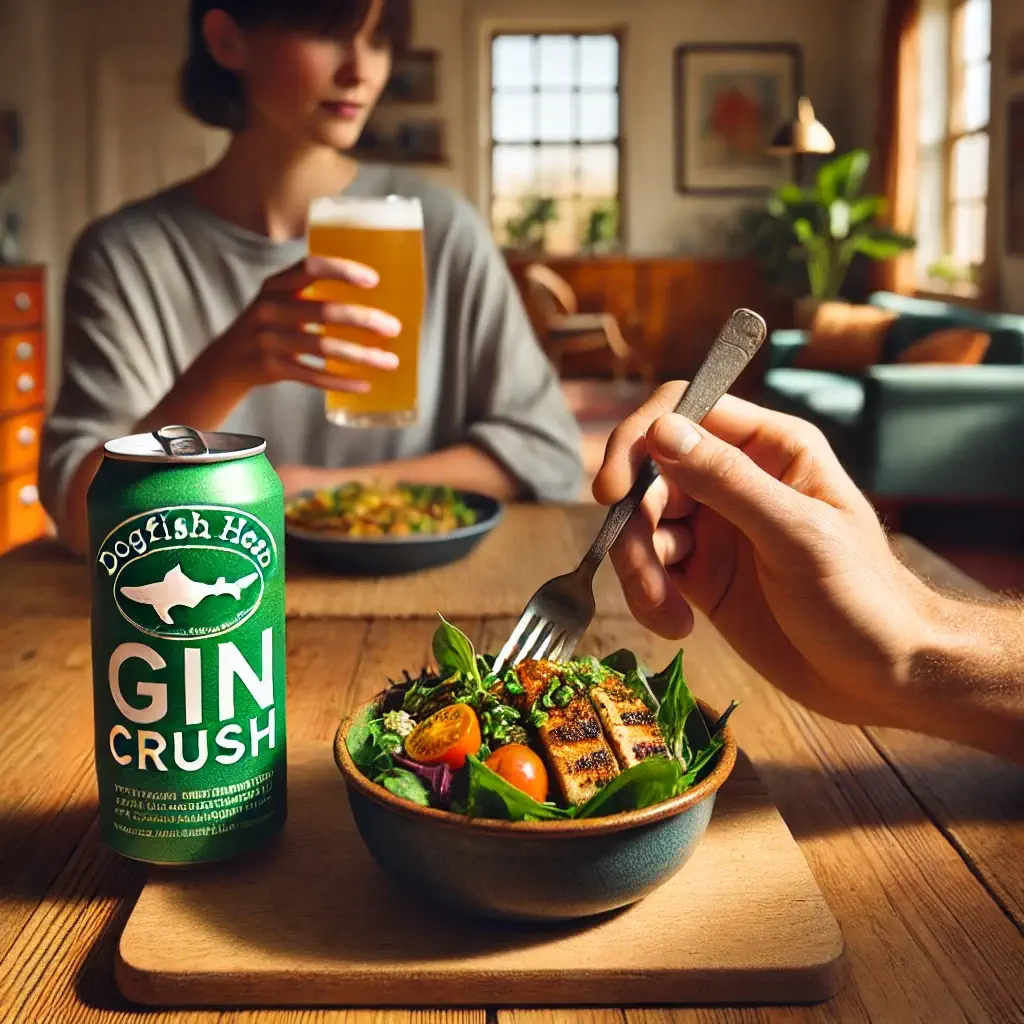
(804,135)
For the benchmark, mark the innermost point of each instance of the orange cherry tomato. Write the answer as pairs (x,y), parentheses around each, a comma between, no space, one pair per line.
(520,766)
(448,737)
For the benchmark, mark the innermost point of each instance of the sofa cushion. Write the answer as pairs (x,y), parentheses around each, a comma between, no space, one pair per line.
(816,394)
(960,346)
(844,337)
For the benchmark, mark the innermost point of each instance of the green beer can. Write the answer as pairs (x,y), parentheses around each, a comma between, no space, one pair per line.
(188,645)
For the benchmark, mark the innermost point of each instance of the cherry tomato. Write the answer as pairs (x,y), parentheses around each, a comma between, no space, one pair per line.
(520,766)
(448,737)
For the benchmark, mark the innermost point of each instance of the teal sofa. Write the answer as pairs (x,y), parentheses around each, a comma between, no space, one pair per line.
(910,432)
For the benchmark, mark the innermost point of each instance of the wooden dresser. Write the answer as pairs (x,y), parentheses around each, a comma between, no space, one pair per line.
(22,400)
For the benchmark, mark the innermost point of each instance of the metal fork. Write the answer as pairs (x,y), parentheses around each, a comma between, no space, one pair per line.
(558,615)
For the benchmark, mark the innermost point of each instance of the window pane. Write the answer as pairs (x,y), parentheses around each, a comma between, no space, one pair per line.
(557,60)
(599,170)
(513,171)
(969,232)
(930,206)
(599,116)
(513,117)
(976,30)
(512,57)
(563,236)
(976,96)
(502,211)
(556,122)
(556,174)
(970,168)
(599,61)
(933,75)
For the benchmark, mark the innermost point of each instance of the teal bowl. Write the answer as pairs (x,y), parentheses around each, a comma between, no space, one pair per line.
(528,871)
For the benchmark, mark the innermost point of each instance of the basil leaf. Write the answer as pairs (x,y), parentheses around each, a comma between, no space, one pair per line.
(454,652)
(371,748)
(639,685)
(683,730)
(490,796)
(624,662)
(726,715)
(702,760)
(649,782)
(405,784)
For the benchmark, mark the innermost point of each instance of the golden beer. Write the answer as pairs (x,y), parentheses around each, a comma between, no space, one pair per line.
(387,235)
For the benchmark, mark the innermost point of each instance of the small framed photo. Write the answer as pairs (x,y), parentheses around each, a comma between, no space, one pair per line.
(420,141)
(730,98)
(413,78)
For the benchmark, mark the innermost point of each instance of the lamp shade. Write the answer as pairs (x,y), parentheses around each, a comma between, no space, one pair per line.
(804,135)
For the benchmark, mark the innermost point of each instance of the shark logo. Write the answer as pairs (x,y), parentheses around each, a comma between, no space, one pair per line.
(177,590)
(188,572)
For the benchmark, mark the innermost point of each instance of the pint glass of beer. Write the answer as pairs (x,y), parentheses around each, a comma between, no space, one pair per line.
(387,235)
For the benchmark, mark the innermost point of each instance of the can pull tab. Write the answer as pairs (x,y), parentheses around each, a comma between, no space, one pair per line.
(180,440)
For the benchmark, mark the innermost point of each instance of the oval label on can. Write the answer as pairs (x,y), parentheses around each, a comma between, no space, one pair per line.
(187,572)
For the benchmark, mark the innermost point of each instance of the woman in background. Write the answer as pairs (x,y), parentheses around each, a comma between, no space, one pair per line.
(185,307)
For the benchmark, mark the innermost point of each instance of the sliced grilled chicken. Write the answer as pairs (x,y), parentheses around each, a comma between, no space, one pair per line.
(580,758)
(629,725)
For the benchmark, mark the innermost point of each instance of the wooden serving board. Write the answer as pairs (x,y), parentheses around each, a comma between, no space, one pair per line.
(313,921)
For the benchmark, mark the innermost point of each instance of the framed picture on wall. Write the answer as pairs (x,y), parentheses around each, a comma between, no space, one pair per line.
(1015,177)
(729,101)
(413,78)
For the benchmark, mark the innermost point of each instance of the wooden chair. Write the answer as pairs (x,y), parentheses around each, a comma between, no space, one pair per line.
(563,329)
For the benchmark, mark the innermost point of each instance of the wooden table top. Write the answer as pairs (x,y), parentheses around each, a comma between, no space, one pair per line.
(917,845)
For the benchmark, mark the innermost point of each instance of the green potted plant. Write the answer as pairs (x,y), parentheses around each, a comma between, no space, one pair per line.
(832,222)
(601,233)
(528,231)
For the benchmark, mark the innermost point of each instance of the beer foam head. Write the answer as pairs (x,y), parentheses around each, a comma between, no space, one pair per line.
(393,213)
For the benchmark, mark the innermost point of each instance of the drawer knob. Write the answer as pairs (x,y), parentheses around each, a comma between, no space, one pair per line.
(26,382)
(24,350)
(23,302)
(26,435)
(28,495)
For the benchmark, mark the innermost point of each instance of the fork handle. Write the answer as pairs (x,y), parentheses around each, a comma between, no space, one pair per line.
(732,350)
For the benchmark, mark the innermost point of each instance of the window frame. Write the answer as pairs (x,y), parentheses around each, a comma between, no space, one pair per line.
(619,141)
(952,134)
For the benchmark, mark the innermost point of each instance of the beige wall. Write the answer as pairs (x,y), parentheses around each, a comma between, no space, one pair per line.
(1007,17)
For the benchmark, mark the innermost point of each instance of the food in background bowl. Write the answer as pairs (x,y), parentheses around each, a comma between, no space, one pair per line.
(554,791)
(364,510)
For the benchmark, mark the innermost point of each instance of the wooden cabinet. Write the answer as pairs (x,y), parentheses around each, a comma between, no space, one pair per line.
(670,308)
(22,399)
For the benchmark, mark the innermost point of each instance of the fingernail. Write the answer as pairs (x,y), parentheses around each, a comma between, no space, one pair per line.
(677,436)
(386,324)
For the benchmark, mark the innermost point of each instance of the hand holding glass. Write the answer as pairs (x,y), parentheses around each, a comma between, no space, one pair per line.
(387,235)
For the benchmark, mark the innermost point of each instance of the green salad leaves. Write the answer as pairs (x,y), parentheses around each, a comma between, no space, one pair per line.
(478,792)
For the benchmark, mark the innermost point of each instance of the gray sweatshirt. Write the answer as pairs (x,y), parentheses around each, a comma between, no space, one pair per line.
(151,285)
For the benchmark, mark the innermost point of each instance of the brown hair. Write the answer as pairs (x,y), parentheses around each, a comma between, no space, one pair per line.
(216,96)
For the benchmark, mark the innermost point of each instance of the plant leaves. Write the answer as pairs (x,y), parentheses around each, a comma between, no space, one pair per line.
(371,747)
(490,796)
(647,783)
(702,760)
(623,661)
(867,208)
(882,244)
(839,219)
(453,651)
(405,784)
(637,682)
(684,731)
(842,177)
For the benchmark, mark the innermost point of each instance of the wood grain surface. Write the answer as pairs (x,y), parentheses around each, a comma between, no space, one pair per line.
(915,844)
(313,919)
(546,540)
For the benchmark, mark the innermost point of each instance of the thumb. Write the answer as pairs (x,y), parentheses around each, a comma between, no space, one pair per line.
(725,479)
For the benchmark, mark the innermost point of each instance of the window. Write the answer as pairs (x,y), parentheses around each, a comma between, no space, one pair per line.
(555,136)
(953,138)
